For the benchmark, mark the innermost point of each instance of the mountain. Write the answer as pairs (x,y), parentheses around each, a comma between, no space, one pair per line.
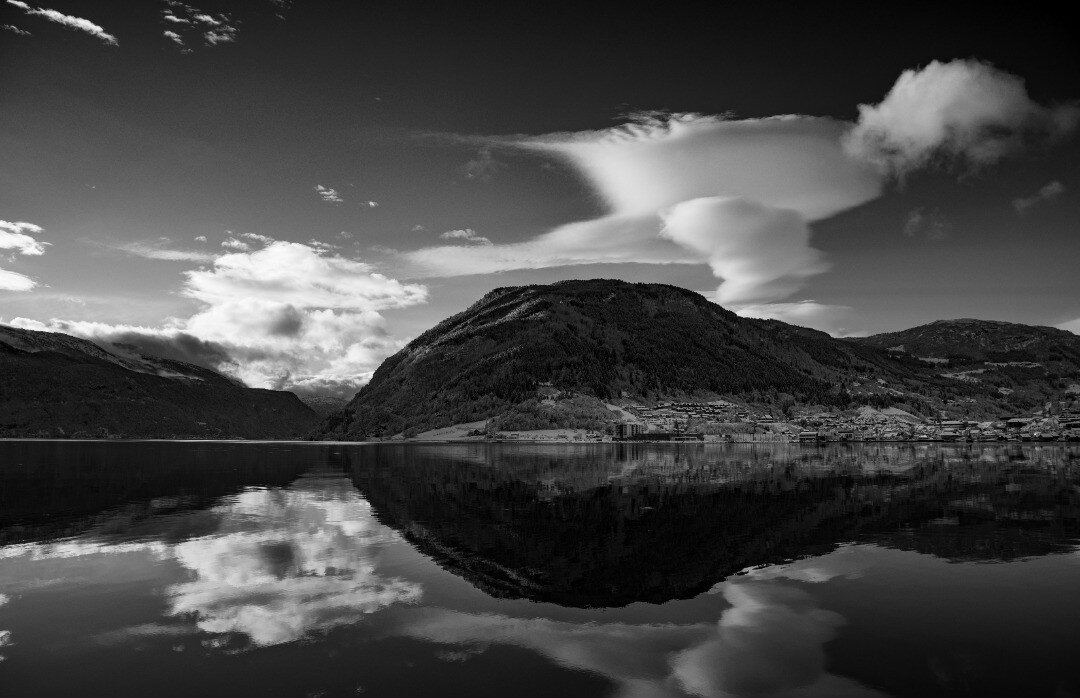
(528,350)
(982,340)
(1026,364)
(55,385)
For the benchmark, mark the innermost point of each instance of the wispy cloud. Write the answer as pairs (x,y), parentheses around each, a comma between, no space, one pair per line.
(931,225)
(69,21)
(1050,191)
(483,166)
(189,22)
(15,30)
(327,194)
(159,251)
(466,235)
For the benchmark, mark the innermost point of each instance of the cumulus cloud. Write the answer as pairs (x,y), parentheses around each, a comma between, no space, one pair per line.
(173,37)
(1050,191)
(466,235)
(330,196)
(69,21)
(279,315)
(15,30)
(17,238)
(962,112)
(769,643)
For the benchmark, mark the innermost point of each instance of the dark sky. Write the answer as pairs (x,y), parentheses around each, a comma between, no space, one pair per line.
(121,153)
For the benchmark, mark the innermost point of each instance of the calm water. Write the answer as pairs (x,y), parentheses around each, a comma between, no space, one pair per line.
(483,570)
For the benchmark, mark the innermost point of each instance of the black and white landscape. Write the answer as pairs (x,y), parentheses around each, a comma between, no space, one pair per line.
(504,349)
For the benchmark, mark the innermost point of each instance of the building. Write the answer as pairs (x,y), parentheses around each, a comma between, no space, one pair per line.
(627,430)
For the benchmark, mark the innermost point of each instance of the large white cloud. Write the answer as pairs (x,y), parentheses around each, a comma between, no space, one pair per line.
(691,189)
(739,195)
(70,21)
(284,316)
(963,111)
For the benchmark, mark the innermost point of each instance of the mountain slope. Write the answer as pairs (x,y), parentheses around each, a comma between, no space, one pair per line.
(1025,365)
(52,384)
(983,340)
(613,339)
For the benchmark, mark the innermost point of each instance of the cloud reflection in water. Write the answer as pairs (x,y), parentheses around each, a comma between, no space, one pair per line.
(287,563)
(768,643)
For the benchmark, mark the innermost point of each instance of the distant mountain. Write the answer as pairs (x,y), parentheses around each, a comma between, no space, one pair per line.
(56,385)
(982,340)
(1025,365)
(610,340)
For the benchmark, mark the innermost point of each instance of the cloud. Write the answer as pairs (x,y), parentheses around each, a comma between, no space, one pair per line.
(15,30)
(371,204)
(330,196)
(963,112)
(232,243)
(1050,191)
(69,21)
(931,225)
(14,281)
(156,250)
(691,189)
(200,238)
(278,315)
(189,22)
(607,240)
(483,166)
(759,251)
(16,238)
(769,643)
(466,235)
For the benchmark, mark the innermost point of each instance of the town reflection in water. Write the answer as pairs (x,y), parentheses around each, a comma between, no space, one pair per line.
(631,570)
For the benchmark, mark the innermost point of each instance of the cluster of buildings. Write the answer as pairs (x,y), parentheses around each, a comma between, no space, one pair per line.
(726,421)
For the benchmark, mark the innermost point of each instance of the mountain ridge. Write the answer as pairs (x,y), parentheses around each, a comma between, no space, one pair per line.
(56,385)
(616,340)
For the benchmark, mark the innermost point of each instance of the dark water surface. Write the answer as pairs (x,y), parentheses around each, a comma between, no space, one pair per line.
(184,569)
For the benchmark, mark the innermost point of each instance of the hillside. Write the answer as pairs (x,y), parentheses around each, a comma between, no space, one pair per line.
(612,340)
(54,385)
(1027,365)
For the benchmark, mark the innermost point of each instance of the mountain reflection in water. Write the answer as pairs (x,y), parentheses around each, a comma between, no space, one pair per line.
(631,570)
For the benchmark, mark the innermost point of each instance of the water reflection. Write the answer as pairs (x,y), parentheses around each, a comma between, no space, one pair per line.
(769,642)
(612,526)
(653,570)
(287,563)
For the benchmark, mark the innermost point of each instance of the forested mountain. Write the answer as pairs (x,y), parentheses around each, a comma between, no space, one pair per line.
(54,385)
(614,340)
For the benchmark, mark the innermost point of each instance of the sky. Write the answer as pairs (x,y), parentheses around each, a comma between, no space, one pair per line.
(291,191)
